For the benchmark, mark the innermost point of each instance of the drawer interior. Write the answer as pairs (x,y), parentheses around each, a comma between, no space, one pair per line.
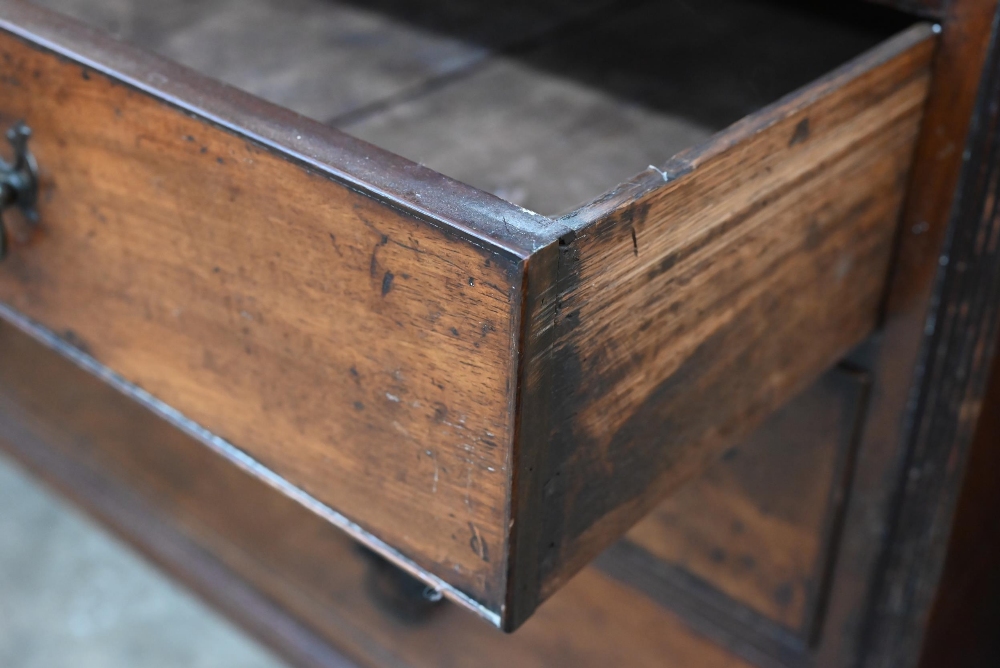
(513,97)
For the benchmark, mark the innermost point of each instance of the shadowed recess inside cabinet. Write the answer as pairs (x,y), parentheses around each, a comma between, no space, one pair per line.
(546,104)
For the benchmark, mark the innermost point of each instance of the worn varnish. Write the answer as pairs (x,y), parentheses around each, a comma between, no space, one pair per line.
(359,352)
(284,573)
(894,355)
(956,369)
(735,254)
(479,393)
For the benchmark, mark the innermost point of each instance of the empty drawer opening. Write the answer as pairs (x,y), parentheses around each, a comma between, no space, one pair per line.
(546,105)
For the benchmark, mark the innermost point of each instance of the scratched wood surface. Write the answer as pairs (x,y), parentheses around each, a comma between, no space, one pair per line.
(359,352)
(950,103)
(284,573)
(760,261)
(373,359)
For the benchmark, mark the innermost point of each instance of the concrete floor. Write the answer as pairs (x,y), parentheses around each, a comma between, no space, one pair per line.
(72,595)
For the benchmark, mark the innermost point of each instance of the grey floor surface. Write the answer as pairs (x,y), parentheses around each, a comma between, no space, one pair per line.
(73,596)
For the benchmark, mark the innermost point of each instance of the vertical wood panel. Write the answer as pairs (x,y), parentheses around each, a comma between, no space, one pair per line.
(687,311)
(894,355)
(958,356)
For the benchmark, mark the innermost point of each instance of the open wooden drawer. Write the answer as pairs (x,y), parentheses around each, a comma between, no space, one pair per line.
(486,396)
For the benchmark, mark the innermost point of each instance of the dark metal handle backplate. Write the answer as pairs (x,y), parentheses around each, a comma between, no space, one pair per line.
(18,181)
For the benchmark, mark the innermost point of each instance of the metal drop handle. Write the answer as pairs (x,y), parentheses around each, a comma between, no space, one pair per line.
(18,181)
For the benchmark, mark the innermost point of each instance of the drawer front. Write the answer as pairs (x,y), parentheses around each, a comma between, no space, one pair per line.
(484,396)
(351,350)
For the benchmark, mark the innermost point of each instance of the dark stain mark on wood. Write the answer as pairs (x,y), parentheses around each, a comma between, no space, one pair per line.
(73,339)
(635,243)
(373,268)
(396,593)
(477,543)
(333,240)
(801,132)
(387,283)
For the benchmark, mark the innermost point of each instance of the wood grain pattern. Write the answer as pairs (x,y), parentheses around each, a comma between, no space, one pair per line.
(284,573)
(956,364)
(476,391)
(745,551)
(760,261)
(894,356)
(359,352)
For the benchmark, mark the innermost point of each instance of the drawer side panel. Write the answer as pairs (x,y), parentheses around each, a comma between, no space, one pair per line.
(699,298)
